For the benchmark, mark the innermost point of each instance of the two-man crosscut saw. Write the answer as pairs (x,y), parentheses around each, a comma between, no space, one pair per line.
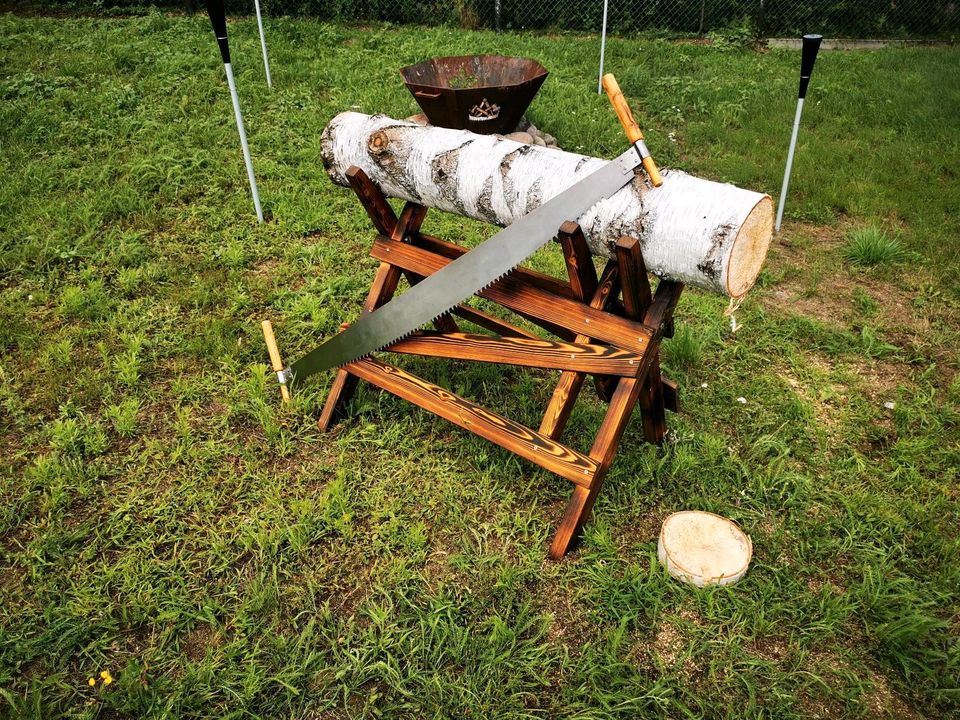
(438,293)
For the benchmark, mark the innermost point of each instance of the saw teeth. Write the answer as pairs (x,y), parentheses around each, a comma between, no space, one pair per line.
(446,312)
(381,347)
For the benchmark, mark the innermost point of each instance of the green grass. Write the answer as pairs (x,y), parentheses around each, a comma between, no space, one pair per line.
(163,517)
(872,246)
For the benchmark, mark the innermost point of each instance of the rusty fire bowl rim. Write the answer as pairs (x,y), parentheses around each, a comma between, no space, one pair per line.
(541,71)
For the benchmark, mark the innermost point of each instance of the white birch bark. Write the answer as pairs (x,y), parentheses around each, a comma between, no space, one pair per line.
(711,235)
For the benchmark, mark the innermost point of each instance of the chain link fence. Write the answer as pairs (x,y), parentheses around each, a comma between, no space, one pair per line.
(755,18)
(676,18)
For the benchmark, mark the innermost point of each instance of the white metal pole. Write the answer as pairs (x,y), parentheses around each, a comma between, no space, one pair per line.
(603,44)
(243,140)
(263,44)
(810,46)
(786,173)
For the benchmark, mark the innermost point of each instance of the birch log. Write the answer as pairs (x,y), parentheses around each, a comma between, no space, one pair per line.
(711,235)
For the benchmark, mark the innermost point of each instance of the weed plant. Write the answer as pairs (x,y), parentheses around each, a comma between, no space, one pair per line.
(872,246)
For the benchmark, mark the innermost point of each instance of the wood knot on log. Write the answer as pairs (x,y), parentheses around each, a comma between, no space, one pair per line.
(378,142)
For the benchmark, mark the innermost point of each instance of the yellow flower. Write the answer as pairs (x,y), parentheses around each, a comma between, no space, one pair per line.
(107,677)
(91,682)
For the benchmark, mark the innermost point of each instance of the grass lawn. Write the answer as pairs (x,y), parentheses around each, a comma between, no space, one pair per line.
(164,519)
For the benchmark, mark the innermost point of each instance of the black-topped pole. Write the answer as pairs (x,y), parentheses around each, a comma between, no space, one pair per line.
(219,21)
(811,44)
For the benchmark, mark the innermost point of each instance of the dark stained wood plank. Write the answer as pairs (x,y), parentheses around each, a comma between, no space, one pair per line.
(625,397)
(660,312)
(513,293)
(383,287)
(373,201)
(408,230)
(579,261)
(568,388)
(634,283)
(561,404)
(446,323)
(652,414)
(651,398)
(615,421)
(539,353)
(544,282)
(635,290)
(669,329)
(495,324)
(344,385)
(604,385)
(516,438)
(408,224)
(671,395)
(658,316)
(550,327)
(604,448)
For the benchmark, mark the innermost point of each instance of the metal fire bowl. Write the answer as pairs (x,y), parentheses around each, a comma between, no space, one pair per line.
(507,82)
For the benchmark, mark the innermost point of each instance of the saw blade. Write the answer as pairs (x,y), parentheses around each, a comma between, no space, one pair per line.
(473,271)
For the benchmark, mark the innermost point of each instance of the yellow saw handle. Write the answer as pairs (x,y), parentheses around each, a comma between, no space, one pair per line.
(630,127)
(275,361)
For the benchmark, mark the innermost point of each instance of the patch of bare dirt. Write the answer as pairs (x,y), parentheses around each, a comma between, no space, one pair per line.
(883,702)
(829,297)
(771,649)
(196,642)
(880,378)
(640,530)
(852,299)
(11,578)
(831,307)
(438,572)
(569,624)
(821,708)
(668,644)
(825,397)
(344,571)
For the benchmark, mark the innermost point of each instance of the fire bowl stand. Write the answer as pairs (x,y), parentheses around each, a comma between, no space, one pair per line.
(597,320)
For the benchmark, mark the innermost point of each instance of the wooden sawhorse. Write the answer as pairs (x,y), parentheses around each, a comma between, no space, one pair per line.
(609,327)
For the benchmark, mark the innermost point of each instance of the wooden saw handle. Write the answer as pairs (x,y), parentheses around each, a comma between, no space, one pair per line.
(630,127)
(275,361)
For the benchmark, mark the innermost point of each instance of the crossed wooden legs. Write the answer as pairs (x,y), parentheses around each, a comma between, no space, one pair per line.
(384,282)
(616,342)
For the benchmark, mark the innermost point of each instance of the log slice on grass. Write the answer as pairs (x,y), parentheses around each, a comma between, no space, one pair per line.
(708,234)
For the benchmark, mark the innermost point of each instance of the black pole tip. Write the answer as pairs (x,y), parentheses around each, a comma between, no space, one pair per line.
(811,44)
(218,18)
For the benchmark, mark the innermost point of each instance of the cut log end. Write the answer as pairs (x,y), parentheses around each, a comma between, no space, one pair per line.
(750,248)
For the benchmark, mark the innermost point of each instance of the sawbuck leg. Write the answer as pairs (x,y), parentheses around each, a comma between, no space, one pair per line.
(384,282)
(589,290)
(604,447)
(636,300)
(656,312)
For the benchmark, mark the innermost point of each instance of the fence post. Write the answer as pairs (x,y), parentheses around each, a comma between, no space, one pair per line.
(759,19)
